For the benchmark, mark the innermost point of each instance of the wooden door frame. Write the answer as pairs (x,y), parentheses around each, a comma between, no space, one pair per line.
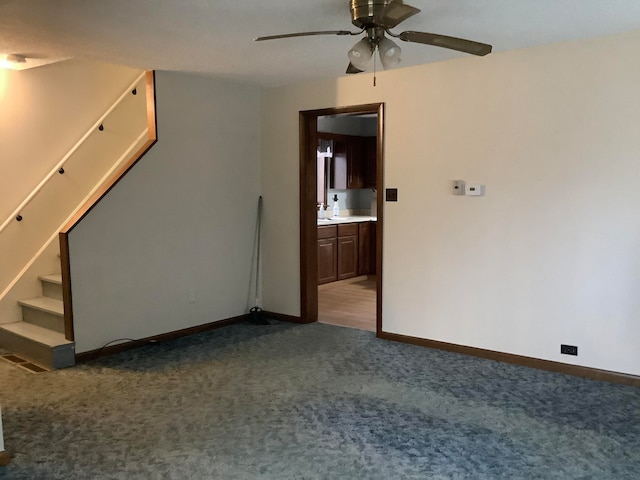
(308,212)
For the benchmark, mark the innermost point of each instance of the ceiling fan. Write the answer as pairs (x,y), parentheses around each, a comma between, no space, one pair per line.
(377,17)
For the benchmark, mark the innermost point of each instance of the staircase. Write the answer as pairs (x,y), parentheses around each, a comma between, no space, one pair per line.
(39,337)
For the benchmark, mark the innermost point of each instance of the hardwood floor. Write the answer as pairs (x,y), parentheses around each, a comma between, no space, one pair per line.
(349,303)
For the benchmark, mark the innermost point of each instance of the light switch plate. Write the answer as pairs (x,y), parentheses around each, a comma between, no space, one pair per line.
(457,187)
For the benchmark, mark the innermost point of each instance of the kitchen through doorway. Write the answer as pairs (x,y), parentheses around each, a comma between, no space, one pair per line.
(341,216)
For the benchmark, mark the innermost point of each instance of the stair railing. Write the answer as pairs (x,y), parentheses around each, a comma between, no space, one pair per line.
(94,199)
(59,167)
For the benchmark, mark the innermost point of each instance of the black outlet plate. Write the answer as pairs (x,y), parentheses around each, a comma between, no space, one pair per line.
(569,349)
(391,194)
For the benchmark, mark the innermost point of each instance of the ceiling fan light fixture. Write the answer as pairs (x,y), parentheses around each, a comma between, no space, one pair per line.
(13,61)
(361,53)
(389,53)
(15,58)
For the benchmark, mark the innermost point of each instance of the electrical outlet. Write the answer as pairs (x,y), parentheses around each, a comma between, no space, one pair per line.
(192,295)
(569,349)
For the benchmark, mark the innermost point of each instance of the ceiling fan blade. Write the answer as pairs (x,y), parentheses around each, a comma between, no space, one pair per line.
(306,34)
(394,13)
(453,43)
(351,69)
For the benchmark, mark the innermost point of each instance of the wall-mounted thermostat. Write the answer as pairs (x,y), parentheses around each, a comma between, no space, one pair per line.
(474,190)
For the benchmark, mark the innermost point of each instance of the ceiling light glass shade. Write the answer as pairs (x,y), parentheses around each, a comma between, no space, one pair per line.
(15,58)
(360,54)
(389,53)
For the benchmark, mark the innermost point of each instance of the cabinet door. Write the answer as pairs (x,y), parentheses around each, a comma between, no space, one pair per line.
(370,162)
(348,164)
(339,165)
(356,162)
(327,260)
(367,248)
(347,257)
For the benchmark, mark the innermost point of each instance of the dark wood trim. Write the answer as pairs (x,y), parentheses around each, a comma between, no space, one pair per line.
(116,177)
(308,222)
(380,216)
(308,209)
(67,301)
(548,365)
(284,318)
(163,337)
(96,197)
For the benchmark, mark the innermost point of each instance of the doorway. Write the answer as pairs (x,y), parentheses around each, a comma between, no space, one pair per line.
(309,206)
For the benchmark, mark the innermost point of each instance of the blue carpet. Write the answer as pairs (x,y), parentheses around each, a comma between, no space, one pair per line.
(313,402)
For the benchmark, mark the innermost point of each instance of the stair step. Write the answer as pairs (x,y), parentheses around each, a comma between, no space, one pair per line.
(44,304)
(52,278)
(45,312)
(40,345)
(52,285)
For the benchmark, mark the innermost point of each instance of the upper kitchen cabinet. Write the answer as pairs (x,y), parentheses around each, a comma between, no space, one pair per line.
(371,161)
(351,165)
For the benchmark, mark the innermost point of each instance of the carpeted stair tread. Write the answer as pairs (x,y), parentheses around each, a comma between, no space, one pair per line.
(44,304)
(52,278)
(38,334)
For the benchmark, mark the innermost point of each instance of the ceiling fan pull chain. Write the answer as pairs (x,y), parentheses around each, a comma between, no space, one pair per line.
(374,70)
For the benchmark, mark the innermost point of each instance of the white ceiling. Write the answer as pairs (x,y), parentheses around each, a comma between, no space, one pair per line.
(216,37)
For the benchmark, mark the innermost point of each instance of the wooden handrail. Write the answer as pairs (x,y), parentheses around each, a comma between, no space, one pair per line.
(95,198)
(61,163)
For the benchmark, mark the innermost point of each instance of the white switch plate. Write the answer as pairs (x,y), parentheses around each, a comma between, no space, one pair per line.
(474,190)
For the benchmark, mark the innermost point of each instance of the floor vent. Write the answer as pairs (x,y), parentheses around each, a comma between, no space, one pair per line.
(24,364)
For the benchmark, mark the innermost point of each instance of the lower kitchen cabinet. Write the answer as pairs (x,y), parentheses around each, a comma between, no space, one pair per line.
(367,248)
(346,250)
(327,254)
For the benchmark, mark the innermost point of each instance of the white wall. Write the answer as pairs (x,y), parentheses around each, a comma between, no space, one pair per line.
(171,246)
(44,112)
(550,255)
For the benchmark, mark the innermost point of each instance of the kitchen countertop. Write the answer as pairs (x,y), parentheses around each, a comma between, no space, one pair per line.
(353,219)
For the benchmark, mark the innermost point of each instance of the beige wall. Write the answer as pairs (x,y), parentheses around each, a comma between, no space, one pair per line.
(171,246)
(44,112)
(548,256)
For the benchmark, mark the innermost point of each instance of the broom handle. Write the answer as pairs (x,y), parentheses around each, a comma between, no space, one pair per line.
(258,254)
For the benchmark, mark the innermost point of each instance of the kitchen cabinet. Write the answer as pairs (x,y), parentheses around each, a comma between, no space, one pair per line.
(367,248)
(346,250)
(349,167)
(355,162)
(327,254)
(370,161)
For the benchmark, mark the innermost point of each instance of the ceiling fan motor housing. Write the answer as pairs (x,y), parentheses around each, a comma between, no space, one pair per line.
(364,11)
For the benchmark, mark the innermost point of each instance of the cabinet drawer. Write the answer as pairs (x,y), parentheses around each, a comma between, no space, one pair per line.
(346,229)
(327,231)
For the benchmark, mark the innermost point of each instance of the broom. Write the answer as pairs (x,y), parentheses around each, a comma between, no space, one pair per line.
(256,314)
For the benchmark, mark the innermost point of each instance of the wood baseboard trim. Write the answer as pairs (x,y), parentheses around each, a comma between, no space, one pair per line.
(5,458)
(548,365)
(163,337)
(285,318)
